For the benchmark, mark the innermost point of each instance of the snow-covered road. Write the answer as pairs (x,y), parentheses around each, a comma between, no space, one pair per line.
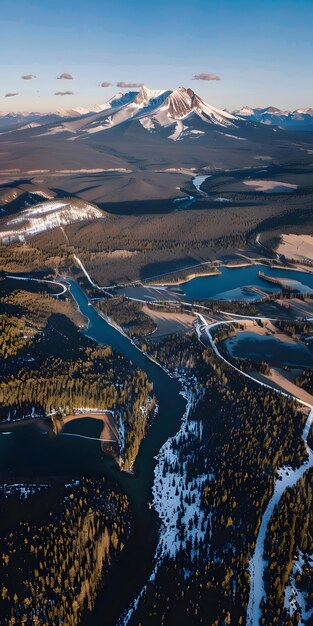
(41,280)
(82,267)
(287,477)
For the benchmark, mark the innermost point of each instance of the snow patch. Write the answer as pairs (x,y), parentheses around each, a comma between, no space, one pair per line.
(47,215)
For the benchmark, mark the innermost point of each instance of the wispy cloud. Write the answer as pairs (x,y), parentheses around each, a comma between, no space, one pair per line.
(65,76)
(128,85)
(205,76)
(105,84)
(10,95)
(64,93)
(28,76)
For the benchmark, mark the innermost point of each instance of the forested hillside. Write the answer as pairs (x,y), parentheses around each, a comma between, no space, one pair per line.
(63,540)
(225,458)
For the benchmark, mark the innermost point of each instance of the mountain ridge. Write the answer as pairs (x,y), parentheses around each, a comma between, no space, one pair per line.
(179,102)
(299,119)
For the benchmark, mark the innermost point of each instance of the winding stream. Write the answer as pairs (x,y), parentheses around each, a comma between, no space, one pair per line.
(167,390)
(197,182)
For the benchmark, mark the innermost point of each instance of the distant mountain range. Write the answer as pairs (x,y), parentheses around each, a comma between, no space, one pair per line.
(300,119)
(182,112)
(175,115)
(140,147)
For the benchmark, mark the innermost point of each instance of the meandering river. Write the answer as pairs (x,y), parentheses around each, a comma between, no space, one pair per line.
(27,452)
(167,390)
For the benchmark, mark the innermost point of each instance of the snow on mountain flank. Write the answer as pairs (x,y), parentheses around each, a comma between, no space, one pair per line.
(182,102)
(178,104)
(144,102)
(47,215)
(145,95)
(180,110)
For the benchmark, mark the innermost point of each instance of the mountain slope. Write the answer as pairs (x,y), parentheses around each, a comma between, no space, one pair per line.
(140,146)
(174,114)
(22,121)
(184,113)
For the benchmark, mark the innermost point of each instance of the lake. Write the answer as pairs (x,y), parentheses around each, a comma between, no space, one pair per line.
(269,349)
(229,284)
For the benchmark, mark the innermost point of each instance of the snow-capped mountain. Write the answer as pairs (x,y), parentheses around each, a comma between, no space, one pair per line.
(144,102)
(186,114)
(48,215)
(300,119)
(175,115)
(156,109)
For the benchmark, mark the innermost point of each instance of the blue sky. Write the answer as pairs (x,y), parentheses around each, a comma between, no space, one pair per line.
(262,51)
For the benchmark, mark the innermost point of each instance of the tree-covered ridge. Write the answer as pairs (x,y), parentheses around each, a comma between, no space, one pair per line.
(63,555)
(244,434)
(24,314)
(20,257)
(58,370)
(128,314)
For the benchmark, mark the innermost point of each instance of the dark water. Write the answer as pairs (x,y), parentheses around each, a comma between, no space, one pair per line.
(12,284)
(31,452)
(270,349)
(28,451)
(171,404)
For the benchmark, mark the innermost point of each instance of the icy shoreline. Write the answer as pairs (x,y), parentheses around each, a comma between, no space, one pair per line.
(166,502)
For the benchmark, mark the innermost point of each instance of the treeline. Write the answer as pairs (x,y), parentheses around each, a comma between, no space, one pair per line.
(24,314)
(29,257)
(229,306)
(295,327)
(183,275)
(52,566)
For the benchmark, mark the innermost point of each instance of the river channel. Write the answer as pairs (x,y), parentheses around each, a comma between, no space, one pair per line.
(27,452)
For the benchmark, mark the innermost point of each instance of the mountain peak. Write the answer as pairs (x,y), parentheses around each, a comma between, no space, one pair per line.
(179,102)
(245,110)
(145,94)
(182,102)
(272,109)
